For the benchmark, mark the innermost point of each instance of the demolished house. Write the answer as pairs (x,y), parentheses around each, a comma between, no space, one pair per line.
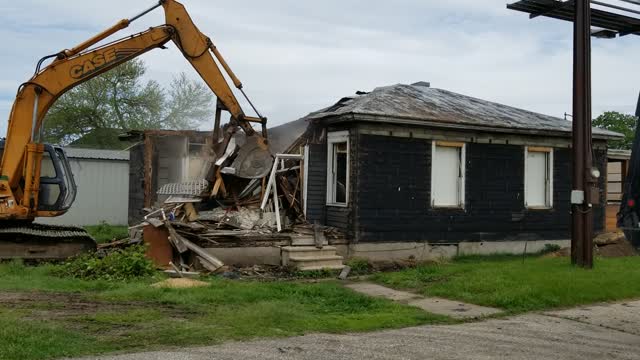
(403,172)
(189,197)
(420,172)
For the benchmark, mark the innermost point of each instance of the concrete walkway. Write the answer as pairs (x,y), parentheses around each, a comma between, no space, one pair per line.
(594,334)
(440,306)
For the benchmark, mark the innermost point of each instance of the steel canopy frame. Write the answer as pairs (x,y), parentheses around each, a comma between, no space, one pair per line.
(610,24)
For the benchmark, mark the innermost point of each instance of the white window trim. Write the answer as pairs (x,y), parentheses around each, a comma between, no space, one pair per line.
(461,184)
(333,138)
(550,189)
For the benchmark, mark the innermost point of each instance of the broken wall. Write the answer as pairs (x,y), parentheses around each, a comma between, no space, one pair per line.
(335,216)
(162,157)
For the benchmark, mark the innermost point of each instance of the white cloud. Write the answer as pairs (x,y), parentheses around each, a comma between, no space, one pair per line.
(295,57)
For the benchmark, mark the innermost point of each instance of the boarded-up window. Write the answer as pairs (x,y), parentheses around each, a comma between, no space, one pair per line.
(447,174)
(338,168)
(538,177)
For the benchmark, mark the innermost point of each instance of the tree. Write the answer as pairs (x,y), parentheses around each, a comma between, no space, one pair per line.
(618,122)
(120,99)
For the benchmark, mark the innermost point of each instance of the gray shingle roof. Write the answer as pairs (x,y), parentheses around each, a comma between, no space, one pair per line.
(419,104)
(78,153)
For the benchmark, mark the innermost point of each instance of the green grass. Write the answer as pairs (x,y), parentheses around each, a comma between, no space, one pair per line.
(21,339)
(106,233)
(509,283)
(132,316)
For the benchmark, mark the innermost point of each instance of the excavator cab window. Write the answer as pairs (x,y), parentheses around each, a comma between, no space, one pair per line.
(57,186)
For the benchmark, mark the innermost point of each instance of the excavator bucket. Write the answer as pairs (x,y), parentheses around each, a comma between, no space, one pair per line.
(254,160)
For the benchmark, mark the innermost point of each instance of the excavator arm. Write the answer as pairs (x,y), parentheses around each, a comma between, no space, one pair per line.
(20,169)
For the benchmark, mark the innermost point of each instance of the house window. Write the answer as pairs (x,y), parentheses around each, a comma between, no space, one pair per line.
(447,174)
(538,177)
(338,168)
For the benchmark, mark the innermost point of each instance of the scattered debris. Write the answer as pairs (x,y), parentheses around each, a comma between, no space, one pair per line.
(608,238)
(182,274)
(344,273)
(609,244)
(618,249)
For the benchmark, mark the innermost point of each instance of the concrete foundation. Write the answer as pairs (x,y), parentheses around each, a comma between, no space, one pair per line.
(388,251)
(421,251)
(507,247)
(248,255)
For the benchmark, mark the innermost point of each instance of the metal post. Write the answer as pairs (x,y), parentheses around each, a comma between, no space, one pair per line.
(582,214)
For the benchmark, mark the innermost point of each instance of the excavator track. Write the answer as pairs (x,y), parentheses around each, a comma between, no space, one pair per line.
(32,241)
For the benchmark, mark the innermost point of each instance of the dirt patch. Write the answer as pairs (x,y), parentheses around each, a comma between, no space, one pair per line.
(61,306)
(612,244)
(619,249)
(179,283)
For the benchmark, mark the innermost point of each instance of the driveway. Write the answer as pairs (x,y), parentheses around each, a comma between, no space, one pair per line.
(610,331)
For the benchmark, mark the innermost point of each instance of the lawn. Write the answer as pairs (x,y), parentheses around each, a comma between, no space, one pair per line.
(43,316)
(105,232)
(518,286)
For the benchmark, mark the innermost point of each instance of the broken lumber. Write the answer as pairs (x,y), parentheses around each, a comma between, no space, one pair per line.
(176,240)
(215,262)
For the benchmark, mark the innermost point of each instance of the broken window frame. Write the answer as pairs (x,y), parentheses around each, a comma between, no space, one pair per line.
(334,138)
(548,183)
(461,181)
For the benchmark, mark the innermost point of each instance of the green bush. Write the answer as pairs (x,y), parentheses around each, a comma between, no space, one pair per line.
(15,267)
(104,232)
(125,264)
(359,265)
(549,248)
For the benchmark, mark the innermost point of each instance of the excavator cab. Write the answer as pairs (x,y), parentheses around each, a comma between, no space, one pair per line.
(57,185)
(25,240)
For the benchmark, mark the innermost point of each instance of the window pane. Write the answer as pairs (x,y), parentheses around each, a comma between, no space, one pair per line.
(340,163)
(66,174)
(46,169)
(536,174)
(49,194)
(446,173)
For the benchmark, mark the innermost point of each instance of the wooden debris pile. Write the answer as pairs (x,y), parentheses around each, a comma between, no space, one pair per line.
(226,212)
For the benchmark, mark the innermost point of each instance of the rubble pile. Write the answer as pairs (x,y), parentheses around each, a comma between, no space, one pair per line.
(224,212)
(608,244)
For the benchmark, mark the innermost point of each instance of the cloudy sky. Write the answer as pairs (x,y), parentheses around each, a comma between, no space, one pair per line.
(296,56)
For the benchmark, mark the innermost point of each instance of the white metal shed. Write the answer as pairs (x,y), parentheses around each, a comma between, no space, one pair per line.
(102,177)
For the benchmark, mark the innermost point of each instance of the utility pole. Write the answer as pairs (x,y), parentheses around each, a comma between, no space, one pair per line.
(584,192)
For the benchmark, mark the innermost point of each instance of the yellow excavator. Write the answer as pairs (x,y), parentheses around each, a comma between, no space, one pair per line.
(35,178)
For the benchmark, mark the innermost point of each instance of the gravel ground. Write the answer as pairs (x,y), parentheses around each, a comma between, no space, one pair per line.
(609,331)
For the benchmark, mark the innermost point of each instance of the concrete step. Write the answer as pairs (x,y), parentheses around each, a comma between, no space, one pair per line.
(305,240)
(323,267)
(310,252)
(316,262)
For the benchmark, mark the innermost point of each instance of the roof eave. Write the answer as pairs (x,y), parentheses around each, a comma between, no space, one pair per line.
(434,123)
